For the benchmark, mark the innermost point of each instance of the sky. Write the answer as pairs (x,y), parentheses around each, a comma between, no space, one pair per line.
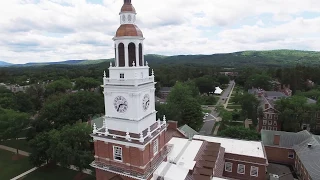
(58,30)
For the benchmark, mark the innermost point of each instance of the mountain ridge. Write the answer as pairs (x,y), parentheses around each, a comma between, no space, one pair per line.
(258,58)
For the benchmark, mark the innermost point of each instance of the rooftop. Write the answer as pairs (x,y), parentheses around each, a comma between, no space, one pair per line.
(287,139)
(234,146)
(309,156)
(188,131)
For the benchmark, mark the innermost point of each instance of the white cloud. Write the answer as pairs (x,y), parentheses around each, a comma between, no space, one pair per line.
(55,30)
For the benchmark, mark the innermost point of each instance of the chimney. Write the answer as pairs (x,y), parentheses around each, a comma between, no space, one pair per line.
(309,145)
(173,125)
(276,139)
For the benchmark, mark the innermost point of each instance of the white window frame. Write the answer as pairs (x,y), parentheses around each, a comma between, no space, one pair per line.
(276,116)
(252,169)
(155,146)
(275,128)
(121,75)
(265,122)
(270,122)
(291,154)
(117,153)
(228,166)
(264,128)
(244,169)
(269,128)
(275,123)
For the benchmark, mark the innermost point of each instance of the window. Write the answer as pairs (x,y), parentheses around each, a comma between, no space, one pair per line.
(275,123)
(290,155)
(254,171)
(264,122)
(269,128)
(269,122)
(228,167)
(276,117)
(263,127)
(275,128)
(155,146)
(121,75)
(241,169)
(265,116)
(117,153)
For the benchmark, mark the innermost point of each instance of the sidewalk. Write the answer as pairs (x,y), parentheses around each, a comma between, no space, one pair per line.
(23,153)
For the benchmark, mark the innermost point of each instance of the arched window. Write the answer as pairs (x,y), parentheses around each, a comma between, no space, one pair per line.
(132,53)
(140,54)
(121,55)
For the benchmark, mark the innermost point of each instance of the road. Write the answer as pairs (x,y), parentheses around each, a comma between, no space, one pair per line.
(213,116)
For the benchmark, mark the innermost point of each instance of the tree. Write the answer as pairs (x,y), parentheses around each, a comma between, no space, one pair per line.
(239,132)
(86,83)
(205,84)
(259,81)
(183,107)
(64,109)
(59,86)
(36,94)
(292,112)
(39,153)
(71,146)
(11,123)
(249,104)
(23,102)
(222,79)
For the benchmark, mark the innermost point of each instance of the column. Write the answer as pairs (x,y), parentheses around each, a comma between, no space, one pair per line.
(137,55)
(117,56)
(126,54)
(143,63)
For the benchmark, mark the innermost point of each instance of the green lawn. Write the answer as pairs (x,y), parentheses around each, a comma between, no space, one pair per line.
(19,144)
(11,168)
(55,173)
(234,107)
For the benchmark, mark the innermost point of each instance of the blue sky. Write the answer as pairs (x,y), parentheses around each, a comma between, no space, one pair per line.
(57,30)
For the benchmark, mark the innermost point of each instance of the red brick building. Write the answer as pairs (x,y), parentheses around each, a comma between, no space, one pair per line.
(300,150)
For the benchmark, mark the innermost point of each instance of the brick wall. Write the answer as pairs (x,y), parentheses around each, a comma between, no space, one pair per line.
(279,155)
(246,175)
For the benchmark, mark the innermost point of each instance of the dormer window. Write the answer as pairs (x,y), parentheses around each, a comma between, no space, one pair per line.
(121,76)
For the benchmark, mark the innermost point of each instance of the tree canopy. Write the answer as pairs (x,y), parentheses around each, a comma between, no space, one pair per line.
(239,132)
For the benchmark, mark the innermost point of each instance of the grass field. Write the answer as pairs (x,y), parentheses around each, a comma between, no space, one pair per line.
(19,144)
(10,168)
(57,173)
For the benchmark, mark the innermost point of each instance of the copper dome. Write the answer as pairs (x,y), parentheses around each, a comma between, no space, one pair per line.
(128,30)
(127,7)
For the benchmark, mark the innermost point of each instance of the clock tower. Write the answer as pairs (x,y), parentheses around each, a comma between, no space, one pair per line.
(131,142)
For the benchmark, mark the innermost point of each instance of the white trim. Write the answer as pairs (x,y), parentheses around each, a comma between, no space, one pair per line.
(254,167)
(114,153)
(246,161)
(140,146)
(155,146)
(244,169)
(225,166)
(291,153)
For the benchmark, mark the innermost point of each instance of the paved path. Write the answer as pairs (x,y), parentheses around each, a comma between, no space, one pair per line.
(210,121)
(23,153)
(13,139)
(25,173)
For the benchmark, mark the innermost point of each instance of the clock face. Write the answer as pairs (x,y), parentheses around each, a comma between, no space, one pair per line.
(123,18)
(120,104)
(146,102)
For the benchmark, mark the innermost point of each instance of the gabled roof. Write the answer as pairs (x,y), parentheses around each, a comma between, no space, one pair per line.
(287,139)
(188,131)
(275,94)
(309,156)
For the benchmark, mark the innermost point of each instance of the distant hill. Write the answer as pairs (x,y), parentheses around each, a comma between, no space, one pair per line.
(271,58)
(253,58)
(4,64)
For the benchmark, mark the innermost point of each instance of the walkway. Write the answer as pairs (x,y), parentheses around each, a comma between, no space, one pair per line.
(23,153)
